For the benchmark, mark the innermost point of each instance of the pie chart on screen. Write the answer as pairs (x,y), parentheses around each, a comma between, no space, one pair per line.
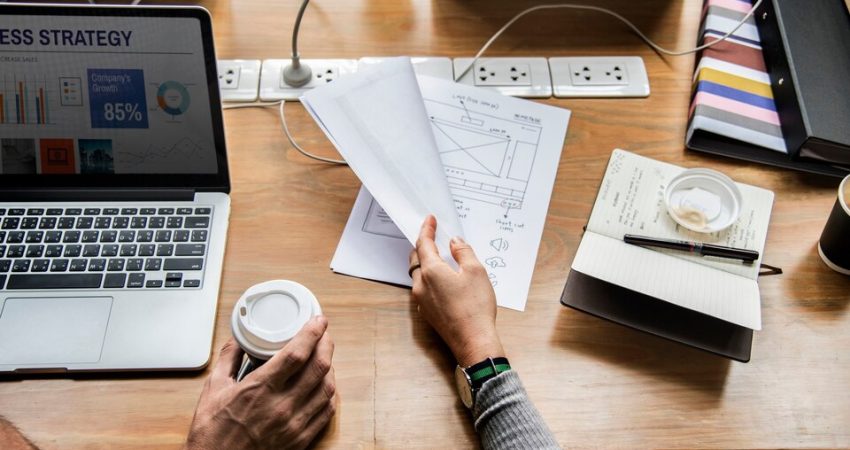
(173,98)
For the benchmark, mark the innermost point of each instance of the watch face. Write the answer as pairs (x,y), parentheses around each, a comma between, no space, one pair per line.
(464,386)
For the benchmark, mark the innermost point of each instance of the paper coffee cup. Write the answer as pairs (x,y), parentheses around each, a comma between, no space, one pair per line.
(270,314)
(834,244)
(703,200)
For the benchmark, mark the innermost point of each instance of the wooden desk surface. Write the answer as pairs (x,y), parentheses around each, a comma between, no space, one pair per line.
(596,384)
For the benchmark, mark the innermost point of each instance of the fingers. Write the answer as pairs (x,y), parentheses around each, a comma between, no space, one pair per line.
(318,423)
(229,360)
(320,396)
(314,372)
(292,357)
(416,275)
(463,253)
(426,248)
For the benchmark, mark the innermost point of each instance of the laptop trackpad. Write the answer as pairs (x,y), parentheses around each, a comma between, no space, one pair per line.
(53,331)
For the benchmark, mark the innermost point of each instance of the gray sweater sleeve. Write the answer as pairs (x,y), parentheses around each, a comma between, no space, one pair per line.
(506,419)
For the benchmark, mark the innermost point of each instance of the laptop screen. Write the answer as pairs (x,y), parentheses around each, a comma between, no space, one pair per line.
(109,97)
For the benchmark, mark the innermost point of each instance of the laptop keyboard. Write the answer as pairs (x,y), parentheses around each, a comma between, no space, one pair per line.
(112,248)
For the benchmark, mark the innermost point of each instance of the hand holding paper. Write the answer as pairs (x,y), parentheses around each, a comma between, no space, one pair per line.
(472,157)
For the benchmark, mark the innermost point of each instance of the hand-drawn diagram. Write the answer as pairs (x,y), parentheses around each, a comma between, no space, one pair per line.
(486,158)
(496,262)
(499,244)
(493,280)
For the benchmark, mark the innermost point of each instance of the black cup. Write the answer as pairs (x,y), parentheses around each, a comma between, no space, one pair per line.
(834,245)
(249,363)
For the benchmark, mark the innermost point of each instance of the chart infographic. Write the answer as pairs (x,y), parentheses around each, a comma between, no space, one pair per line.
(85,95)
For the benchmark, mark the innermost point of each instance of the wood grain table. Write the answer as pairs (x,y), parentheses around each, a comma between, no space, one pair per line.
(595,383)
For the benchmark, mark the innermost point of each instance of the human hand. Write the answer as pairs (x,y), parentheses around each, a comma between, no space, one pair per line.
(284,403)
(460,305)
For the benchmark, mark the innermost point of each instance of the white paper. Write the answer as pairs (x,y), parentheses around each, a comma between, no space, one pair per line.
(630,201)
(371,245)
(500,156)
(377,121)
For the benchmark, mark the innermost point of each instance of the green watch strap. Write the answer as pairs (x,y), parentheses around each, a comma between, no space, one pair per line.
(485,370)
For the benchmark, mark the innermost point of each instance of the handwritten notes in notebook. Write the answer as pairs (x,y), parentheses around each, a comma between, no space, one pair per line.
(630,201)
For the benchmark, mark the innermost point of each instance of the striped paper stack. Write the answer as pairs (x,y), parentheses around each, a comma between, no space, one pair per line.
(732,93)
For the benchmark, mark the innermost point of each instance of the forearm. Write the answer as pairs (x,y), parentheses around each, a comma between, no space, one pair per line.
(506,418)
(12,439)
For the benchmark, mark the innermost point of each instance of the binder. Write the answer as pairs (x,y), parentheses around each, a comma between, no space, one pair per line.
(736,110)
(806,48)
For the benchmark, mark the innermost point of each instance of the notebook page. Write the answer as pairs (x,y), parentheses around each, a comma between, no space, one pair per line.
(631,201)
(696,287)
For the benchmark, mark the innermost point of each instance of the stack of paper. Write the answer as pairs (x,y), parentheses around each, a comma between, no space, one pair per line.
(482,163)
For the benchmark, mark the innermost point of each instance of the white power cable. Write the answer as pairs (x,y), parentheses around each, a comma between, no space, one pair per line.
(285,129)
(628,23)
(298,147)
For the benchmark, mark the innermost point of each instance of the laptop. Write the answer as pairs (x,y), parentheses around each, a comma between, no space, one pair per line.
(114,188)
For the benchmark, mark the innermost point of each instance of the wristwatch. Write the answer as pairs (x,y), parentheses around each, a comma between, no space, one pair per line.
(470,379)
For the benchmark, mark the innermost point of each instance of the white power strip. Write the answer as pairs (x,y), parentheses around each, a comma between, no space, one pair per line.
(566,77)
(433,67)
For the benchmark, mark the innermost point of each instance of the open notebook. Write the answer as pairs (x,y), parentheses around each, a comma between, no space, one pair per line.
(630,201)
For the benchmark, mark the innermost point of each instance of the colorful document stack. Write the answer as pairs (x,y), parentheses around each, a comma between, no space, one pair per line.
(736,108)
(732,93)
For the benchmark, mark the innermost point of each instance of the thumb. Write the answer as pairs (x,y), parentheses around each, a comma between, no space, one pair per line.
(463,253)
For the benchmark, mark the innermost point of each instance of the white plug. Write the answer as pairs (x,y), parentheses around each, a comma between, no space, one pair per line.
(595,76)
(274,86)
(239,79)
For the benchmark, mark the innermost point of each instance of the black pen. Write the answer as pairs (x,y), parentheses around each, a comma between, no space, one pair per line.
(694,247)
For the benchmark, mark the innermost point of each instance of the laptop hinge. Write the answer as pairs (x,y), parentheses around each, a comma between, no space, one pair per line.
(95,195)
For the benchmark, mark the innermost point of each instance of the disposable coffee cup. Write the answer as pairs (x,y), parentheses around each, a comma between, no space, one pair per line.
(834,244)
(703,200)
(267,317)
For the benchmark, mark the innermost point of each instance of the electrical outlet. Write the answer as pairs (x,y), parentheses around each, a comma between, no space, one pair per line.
(433,67)
(519,77)
(239,80)
(599,76)
(273,87)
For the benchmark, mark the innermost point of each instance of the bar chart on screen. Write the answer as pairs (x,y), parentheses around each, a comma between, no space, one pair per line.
(25,100)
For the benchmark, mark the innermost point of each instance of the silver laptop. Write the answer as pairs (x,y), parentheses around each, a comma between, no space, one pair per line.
(113,188)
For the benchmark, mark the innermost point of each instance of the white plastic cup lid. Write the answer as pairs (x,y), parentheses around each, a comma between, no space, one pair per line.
(703,200)
(270,314)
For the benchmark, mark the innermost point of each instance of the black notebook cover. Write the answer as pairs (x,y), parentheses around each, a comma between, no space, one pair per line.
(654,316)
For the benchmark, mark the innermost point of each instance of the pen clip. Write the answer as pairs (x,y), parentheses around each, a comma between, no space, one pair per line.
(767,269)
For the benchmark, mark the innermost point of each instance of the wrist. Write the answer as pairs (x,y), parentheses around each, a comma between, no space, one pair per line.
(478,349)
